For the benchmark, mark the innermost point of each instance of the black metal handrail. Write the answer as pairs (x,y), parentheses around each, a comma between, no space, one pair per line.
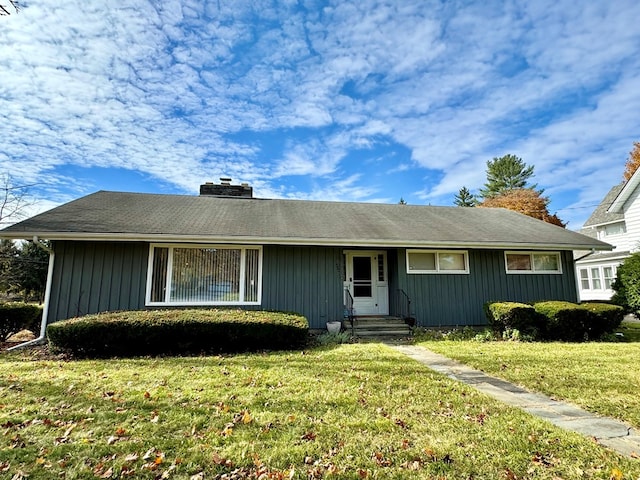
(348,308)
(403,307)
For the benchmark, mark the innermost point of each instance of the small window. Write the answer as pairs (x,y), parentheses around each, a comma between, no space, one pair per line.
(609,277)
(615,229)
(432,261)
(584,279)
(595,279)
(533,262)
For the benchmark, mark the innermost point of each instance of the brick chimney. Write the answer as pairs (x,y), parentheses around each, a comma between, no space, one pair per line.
(225,189)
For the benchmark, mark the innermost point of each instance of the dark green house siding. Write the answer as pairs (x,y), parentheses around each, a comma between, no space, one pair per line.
(91,277)
(458,299)
(307,280)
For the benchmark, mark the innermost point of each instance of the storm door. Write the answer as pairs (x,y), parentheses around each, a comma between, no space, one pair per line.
(366,280)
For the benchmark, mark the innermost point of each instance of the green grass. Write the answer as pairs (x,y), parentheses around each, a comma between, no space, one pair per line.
(600,377)
(630,330)
(352,411)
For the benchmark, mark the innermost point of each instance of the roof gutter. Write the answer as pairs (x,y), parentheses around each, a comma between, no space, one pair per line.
(593,250)
(311,241)
(47,296)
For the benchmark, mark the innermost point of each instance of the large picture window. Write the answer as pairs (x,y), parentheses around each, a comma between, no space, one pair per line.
(204,275)
(533,262)
(436,261)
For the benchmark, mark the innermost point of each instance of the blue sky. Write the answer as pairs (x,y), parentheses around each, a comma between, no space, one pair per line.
(353,101)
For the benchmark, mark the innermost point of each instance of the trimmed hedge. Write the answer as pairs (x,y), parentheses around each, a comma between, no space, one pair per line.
(605,318)
(16,316)
(555,320)
(515,316)
(574,323)
(192,331)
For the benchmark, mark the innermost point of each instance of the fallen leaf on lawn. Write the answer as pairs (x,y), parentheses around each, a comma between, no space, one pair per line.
(120,432)
(197,476)
(309,437)
(149,453)
(227,431)
(154,417)
(362,473)
(146,395)
(616,474)
(132,457)
(246,417)
(112,439)
(159,458)
(218,460)
(20,475)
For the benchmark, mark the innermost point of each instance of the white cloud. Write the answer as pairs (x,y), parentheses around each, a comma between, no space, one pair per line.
(189,90)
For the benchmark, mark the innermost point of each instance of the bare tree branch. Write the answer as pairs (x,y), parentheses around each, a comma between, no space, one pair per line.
(14,199)
(8,8)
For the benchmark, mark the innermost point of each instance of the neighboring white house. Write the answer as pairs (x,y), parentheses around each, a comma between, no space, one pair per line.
(615,221)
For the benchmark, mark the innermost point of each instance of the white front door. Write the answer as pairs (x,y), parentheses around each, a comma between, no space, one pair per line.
(367,281)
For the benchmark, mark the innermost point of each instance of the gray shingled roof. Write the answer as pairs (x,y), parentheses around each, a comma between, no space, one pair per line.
(600,214)
(151,217)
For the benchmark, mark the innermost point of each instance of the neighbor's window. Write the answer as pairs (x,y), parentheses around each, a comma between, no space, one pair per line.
(435,261)
(597,278)
(204,275)
(609,277)
(533,262)
(615,229)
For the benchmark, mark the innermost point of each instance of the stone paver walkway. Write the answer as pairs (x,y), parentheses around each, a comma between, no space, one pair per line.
(609,432)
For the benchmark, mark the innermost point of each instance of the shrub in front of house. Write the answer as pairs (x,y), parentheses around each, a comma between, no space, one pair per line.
(626,286)
(570,322)
(565,320)
(510,316)
(604,318)
(16,316)
(192,331)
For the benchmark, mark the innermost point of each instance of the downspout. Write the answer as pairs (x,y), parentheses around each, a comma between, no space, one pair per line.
(47,295)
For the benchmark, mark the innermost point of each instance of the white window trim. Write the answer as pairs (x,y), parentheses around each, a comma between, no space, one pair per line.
(532,271)
(600,268)
(437,271)
(243,249)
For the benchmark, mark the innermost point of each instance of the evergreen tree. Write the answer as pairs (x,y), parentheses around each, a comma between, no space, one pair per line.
(506,173)
(402,201)
(465,198)
(31,271)
(8,259)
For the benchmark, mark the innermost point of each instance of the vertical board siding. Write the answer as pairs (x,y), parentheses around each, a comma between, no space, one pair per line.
(306,280)
(458,299)
(92,277)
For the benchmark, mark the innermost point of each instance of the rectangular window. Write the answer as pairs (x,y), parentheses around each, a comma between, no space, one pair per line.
(609,277)
(433,261)
(595,279)
(533,262)
(615,229)
(584,279)
(204,275)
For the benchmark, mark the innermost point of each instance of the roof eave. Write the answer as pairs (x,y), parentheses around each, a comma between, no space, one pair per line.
(336,242)
(625,193)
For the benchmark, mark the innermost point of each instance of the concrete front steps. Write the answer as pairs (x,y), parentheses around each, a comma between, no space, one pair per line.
(379,327)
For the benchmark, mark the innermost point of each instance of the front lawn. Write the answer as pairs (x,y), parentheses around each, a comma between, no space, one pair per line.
(603,377)
(353,411)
